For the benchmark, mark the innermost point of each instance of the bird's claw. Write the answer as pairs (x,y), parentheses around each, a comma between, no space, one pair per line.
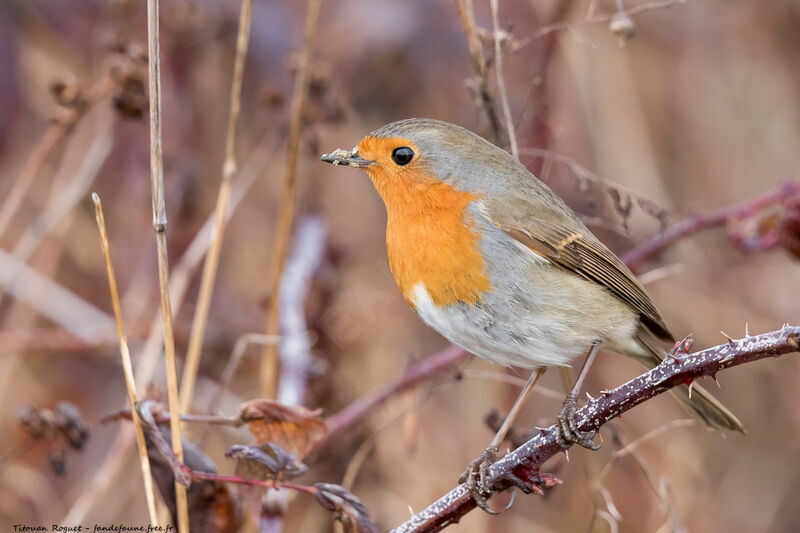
(475,478)
(567,431)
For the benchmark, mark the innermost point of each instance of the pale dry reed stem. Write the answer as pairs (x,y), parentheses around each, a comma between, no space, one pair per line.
(269,361)
(501,82)
(160,225)
(148,357)
(229,170)
(478,60)
(127,367)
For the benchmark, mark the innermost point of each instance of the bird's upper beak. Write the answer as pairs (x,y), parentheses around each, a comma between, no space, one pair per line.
(349,158)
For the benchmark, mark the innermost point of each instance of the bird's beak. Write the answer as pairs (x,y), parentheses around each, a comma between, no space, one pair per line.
(348,158)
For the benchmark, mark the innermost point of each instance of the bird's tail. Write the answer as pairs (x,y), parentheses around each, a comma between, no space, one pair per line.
(702,403)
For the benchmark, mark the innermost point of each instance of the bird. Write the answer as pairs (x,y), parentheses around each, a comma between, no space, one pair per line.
(492,259)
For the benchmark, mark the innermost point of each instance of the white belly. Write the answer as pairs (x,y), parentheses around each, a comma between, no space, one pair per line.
(465,326)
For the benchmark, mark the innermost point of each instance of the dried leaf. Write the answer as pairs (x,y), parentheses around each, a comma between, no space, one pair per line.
(346,508)
(295,429)
(268,461)
(212,508)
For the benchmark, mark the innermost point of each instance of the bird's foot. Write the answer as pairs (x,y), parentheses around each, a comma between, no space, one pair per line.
(567,430)
(475,477)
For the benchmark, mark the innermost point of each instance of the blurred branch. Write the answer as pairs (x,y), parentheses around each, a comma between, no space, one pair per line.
(637,256)
(233,363)
(65,200)
(525,461)
(414,374)
(622,197)
(58,208)
(629,450)
(51,300)
(229,169)
(295,346)
(286,206)
(480,68)
(56,131)
(519,44)
(160,227)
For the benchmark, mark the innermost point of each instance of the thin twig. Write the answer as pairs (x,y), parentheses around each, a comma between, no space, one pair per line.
(56,131)
(160,226)
(64,201)
(229,169)
(591,19)
(479,67)
(126,362)
(77,316)
(286,208)
(233,363)
(525,461)
(501,82)
(414,374)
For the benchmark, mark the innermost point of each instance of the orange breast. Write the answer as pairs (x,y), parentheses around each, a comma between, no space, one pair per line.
(429,234)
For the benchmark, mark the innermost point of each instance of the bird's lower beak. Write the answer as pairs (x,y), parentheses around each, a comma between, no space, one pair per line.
(349,158)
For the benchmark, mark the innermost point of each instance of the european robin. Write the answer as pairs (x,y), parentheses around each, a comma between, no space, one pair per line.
(493,260)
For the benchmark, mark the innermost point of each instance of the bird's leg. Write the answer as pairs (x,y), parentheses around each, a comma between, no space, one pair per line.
(475,475)
(566,428)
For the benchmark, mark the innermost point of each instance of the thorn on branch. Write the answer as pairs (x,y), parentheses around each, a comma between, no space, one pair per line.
(596,413)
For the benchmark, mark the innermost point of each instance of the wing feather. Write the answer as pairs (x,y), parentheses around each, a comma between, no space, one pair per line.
(567,243)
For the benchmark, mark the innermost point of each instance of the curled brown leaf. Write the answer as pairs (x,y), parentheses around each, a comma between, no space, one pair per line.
(294,429)
(267,461)
(346,508)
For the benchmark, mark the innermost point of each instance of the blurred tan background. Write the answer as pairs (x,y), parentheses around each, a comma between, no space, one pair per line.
(699,110)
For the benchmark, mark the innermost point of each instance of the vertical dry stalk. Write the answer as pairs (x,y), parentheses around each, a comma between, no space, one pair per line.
(160,225)
(127,367)
(52,136)
(229,170)
(148,356)
(286,208)
(501,83)
(467,16)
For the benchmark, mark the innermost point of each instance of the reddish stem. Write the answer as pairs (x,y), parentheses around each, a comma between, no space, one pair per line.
(638,255)
(210,476)
(413,375)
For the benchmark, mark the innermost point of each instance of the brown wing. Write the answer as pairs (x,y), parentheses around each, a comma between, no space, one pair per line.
(566,242)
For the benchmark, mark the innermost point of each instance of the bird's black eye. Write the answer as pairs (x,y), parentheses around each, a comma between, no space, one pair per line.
(403,155)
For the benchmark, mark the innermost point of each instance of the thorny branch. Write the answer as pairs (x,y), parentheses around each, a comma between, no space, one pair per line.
(526,460)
